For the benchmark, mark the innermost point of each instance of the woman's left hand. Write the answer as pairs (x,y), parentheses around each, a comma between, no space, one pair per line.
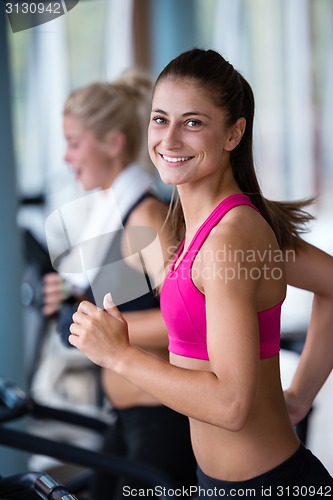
(102,335)
(297,409)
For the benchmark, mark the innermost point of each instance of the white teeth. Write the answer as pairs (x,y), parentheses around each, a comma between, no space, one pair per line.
(175,160)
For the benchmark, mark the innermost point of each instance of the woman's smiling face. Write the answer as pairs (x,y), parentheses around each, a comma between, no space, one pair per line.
(86,155)
(187,132)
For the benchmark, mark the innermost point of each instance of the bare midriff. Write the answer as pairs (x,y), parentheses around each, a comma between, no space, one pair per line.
(266,440)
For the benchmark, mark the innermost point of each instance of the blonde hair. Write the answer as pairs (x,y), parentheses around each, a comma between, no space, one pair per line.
(122,105)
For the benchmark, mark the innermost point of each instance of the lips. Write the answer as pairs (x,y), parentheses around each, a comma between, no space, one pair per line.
(176,159)
(76,171)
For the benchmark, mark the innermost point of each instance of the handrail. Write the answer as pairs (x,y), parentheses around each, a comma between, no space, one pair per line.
(13,400)
(84,457)
(38,482)
(17,404)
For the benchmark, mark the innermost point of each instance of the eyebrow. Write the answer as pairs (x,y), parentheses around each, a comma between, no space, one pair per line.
(188,113)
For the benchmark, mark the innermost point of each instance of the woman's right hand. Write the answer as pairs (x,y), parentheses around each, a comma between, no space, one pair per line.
(102,335)
(53,293)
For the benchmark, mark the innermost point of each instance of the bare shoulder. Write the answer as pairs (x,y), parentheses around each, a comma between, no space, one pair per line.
(243,253)
(243,228)
(151,212)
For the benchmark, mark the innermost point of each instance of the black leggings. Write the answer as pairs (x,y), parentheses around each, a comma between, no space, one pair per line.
(301,476)
(151,435)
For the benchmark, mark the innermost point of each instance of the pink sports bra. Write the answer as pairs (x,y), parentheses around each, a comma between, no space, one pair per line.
(183,305)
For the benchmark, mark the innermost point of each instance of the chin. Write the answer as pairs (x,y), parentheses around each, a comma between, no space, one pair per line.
(168,180)
(167,177)
(88,185)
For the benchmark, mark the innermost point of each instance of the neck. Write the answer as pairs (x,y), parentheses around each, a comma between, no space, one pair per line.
(198,200)
(117,167)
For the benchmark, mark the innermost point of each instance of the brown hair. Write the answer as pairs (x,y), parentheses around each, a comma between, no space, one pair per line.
(230,91)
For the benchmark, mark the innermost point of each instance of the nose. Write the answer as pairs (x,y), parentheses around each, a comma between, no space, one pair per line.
(67,156)
(172,138)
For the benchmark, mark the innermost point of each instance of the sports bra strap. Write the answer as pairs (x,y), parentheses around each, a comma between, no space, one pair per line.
(214,218)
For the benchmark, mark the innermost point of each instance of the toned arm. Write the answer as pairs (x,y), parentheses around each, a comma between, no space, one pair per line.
(312,270)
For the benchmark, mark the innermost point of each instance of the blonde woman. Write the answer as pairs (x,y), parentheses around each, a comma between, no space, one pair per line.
(105,130)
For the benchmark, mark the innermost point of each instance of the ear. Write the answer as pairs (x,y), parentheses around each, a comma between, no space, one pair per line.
(115,143)
(235,134)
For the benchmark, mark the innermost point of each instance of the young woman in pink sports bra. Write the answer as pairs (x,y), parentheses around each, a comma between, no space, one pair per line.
(222,295)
